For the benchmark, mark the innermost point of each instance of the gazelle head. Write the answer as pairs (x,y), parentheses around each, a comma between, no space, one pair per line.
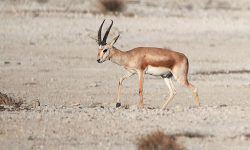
(104,47)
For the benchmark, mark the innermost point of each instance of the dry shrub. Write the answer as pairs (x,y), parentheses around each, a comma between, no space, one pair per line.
(158,141)
(13,104)
(113,6)
(10,101)
(42,1)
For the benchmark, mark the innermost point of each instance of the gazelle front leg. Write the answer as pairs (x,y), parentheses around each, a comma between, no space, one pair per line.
(141,79)
(127,75)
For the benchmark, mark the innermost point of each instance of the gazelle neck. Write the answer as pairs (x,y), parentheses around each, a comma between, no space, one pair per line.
(118,57)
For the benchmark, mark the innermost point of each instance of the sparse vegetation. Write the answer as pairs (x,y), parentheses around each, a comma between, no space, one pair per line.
(113,6)
(158,141)
(192,135)
(42,1)
(10,101)
(218,72)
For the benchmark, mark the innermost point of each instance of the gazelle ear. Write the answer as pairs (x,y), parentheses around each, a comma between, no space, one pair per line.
(114,40)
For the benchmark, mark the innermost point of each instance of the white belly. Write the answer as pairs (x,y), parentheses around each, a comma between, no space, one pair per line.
(157,71)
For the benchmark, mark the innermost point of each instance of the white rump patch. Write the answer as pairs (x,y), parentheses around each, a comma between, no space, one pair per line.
(157,71)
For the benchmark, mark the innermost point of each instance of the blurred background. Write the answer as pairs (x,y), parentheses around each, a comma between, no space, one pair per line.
(48,57)
(129,8)
(46,52)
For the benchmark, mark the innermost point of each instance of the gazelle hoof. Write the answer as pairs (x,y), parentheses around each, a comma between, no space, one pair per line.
(118,105)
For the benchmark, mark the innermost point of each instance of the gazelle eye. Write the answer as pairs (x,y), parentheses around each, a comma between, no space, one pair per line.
(104,51)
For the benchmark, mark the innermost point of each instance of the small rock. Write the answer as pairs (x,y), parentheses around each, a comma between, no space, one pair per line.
(93,85)
(126,106)
(2,108)
(219,106)
(32,43)
(6,62)
(223,105)
(149,107)
(30,83)
(30,138)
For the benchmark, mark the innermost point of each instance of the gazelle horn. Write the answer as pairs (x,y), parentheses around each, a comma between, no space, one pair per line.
(107,33)
(100,33)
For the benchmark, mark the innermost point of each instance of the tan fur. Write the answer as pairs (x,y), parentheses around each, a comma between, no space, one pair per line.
(139,59)
(156,57)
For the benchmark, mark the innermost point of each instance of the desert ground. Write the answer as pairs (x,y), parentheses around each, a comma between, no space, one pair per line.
(46,55)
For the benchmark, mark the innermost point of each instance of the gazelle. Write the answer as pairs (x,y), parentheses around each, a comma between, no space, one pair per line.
(146,60)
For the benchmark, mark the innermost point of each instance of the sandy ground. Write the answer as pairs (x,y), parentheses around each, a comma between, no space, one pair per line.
(49,57)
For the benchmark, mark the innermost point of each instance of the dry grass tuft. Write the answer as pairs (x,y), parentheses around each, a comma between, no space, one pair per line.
(218,72)
(7,100)
(158,141)
(191,135)
(113,6)
(13,104)
(42,1)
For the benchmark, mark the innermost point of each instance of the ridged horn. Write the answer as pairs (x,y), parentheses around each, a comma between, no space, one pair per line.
(107,33)
(100,33)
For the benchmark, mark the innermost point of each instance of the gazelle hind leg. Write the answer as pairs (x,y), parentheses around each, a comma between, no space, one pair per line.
(184,81)
(172,91)
(180,73)
(195,93)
